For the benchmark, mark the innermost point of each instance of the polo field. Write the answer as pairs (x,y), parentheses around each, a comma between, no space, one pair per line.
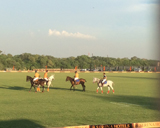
(135,99)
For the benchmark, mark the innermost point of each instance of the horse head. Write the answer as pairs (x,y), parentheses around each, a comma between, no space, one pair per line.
(51,78)
(67,78)
(28,78)
(95,80)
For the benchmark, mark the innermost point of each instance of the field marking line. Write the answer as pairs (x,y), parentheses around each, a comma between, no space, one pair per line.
(124,104)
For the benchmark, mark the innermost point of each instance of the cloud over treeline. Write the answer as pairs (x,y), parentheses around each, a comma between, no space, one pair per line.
(67,34)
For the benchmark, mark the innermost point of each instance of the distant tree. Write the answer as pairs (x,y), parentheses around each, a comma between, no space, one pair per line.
(50,64)
(1,66)
(30,61)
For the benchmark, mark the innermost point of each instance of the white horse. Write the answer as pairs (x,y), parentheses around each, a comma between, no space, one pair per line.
(108,84)
(49,81)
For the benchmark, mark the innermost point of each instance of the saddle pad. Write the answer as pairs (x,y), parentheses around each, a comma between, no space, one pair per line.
(77,80)
(105,82)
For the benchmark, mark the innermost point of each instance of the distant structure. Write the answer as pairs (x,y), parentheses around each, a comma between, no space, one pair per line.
(158,66)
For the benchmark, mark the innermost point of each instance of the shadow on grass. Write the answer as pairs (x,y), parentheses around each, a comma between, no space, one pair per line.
(22,123)
(145,102)
(14,87)
(57,88)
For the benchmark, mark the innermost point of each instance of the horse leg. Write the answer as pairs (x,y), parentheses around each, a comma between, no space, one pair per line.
(101,90)
(71,87)
(112,88)
(97,89)
(34,88)
(30,88)
(108,89)
(43,88)
(84,88)
(37,88)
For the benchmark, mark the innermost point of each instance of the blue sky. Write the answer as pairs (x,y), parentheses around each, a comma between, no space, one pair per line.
(64,28)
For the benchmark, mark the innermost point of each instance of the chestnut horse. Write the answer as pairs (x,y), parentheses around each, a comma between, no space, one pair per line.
(81,81)
(33,84)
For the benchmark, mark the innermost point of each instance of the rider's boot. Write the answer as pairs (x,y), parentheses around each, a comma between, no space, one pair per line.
(38,89)
(102,91)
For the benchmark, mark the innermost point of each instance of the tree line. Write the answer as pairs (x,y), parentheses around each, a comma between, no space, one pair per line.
(28,61)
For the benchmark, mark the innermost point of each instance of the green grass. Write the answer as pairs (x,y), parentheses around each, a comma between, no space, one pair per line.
(135,100)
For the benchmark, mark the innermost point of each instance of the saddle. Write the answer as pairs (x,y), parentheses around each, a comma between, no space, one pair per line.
(102,83)
(77,80)
(105,82)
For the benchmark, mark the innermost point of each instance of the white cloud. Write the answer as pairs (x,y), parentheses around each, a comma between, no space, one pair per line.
(67,34)
(141,7)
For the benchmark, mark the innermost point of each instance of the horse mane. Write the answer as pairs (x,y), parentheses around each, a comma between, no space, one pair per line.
(28,78)
(70,77)
(50,77)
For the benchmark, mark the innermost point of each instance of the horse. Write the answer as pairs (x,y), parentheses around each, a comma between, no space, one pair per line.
(81,81)
(108,84)
(33,83)
(28,78)
(49,82)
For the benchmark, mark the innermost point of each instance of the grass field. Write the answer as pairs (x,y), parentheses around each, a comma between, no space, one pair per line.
(135,100)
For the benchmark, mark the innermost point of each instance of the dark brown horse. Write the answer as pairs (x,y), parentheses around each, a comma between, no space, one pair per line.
(33,84)
(81,81)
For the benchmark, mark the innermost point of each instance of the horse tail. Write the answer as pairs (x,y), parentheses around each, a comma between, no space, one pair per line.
(85,80)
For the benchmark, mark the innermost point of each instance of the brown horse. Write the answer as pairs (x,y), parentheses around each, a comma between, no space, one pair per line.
(33,84)
(81,81)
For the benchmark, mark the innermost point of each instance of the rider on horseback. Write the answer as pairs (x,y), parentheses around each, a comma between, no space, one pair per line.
(104,79)
(36,76)
(45,76)
(76,77)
